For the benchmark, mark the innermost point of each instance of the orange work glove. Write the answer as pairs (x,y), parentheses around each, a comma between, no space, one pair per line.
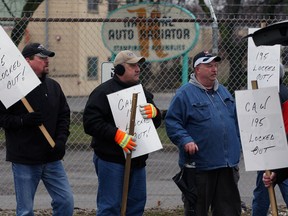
(126,141)
(148,111)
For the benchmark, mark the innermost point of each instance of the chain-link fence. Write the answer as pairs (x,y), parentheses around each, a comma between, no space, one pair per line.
(82,35)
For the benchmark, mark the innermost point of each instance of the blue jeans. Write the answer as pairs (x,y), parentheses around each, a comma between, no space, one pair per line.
(26,181)
(261,201)
(110,188)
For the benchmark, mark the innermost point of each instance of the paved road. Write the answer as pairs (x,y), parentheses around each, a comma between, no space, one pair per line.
(162,191)
(162,100)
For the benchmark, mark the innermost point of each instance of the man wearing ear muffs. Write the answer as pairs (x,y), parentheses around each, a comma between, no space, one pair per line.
(109,141)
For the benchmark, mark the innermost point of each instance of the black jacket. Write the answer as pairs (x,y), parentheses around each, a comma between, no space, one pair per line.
(27,145)
(99,123)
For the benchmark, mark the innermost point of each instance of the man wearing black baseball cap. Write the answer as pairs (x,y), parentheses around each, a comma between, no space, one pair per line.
(37,56)
(36,49)
(32,157)
(201,121)
(204,58)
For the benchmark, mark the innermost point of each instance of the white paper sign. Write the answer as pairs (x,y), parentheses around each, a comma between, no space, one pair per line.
(263,64)
(262,130)
(147,138)
(17,78)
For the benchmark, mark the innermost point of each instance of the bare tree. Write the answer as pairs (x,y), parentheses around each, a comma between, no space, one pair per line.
(20,25)
(228,30)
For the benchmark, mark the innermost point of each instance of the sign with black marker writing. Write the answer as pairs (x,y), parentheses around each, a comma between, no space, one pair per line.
(263,64)
(17,78)
(261,128)
(145,132)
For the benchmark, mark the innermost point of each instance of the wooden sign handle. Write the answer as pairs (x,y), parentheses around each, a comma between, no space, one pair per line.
(272,198)
(128,156)
(42,128)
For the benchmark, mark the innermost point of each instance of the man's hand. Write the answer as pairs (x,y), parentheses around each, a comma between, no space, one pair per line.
(32,119)
(126,141)
(269,180)
(191,148)
(148,111)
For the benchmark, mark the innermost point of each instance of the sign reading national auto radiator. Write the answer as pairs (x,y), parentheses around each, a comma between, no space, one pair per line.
(151,31)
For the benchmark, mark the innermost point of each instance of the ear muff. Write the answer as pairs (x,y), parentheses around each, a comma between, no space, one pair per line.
(119,69)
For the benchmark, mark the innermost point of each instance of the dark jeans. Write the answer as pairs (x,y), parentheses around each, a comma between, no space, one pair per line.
(261,202)
(218,192)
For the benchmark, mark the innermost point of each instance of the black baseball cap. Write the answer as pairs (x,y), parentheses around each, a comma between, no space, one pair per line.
(204,57)
(36,49)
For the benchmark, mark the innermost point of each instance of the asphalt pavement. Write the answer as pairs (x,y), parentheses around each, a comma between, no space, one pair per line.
(162,191)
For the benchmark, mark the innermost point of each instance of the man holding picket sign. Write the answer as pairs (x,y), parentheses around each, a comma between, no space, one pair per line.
(264,122)
(261,202)
(109,142)
(33,157)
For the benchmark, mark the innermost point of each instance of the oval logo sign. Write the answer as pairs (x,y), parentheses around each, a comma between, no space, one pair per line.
(157,40)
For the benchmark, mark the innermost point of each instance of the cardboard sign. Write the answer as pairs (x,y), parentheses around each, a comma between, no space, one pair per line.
(263,64)
(17,78)
(147,139)
(262,130)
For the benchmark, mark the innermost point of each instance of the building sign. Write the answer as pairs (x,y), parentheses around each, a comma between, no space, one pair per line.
(156,40)
(107,71)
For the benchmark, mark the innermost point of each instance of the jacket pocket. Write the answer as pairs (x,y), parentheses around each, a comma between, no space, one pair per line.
(230,104)
(201,111)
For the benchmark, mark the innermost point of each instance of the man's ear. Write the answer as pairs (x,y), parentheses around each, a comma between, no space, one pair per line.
(27,59)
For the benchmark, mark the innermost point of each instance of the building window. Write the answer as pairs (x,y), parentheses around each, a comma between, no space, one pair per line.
(93,6)
(92,68)
(112,5)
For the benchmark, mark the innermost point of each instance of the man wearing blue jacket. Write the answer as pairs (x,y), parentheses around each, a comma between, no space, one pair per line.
(202,122)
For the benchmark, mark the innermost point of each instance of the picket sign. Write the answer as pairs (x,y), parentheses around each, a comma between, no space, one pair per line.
(17,78)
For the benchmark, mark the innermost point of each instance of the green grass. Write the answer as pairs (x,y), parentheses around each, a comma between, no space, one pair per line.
(77,134)
(162,134)
(79,137)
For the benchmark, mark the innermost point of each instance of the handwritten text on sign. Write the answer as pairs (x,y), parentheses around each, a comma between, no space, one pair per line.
(261,129)
(17,78)
(263,64)
(147,139)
